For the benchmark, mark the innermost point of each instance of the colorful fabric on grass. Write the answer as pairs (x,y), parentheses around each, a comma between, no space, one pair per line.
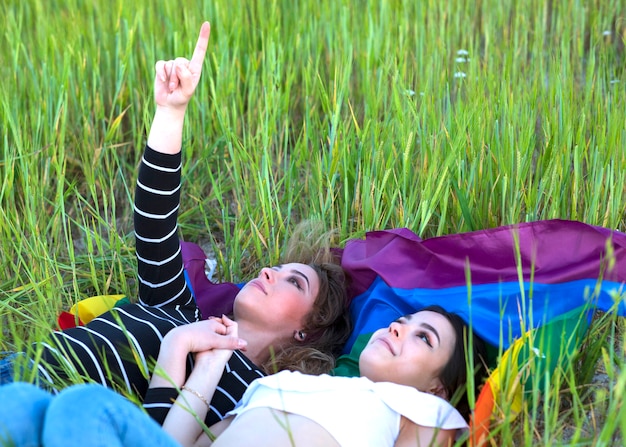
(526,366)
(507,279)
(86,310)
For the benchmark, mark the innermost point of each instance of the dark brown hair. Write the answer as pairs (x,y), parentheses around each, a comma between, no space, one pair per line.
(454,374)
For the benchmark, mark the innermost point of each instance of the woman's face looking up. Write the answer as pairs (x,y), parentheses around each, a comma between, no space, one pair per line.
(279,298)
(412,351)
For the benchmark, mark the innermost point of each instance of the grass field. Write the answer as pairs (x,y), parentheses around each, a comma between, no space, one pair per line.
(439,116)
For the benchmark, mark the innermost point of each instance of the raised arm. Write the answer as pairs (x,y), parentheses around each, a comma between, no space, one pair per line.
(157,194)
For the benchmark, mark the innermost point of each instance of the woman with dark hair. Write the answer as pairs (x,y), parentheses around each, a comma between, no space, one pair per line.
(409,373)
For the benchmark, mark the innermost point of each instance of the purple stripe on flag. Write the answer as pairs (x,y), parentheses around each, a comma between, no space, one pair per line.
(551,251)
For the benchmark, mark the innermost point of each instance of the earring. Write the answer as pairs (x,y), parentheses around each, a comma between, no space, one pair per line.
(301,335)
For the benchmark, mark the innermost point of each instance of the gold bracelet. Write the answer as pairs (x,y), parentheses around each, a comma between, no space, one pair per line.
(198,395)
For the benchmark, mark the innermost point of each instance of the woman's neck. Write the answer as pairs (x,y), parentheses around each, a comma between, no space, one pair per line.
(259,342)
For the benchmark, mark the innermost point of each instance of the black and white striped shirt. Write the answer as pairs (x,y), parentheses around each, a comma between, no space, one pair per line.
(119,348)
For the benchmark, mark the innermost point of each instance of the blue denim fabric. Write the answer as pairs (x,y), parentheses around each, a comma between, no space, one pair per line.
(7,366)
(16,366)
(81,415)
(22,414)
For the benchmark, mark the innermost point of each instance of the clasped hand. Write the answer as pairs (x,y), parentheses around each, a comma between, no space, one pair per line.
(207,335)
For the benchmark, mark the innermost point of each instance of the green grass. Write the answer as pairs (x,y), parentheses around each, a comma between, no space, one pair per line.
(346,111)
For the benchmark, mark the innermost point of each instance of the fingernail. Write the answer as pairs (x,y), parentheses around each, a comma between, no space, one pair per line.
(241,343)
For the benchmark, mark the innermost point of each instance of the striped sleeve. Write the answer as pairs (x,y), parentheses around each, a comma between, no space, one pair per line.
(159,259)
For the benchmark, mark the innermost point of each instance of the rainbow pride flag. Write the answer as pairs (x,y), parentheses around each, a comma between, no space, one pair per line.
(504,280)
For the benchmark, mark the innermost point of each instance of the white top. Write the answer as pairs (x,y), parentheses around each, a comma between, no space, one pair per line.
(354,410)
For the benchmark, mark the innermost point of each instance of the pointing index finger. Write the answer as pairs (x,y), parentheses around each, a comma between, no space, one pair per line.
(195,65)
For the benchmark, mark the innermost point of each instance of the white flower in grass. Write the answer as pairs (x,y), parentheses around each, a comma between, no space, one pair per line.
(410,92)
(614,81)
(462,56)
(606,33)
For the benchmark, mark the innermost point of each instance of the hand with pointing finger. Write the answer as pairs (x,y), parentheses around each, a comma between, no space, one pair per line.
(174,84)
(176,80)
